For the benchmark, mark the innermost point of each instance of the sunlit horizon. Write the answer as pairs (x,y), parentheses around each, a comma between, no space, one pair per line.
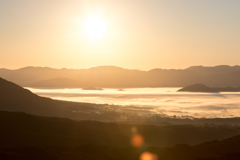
(130,34)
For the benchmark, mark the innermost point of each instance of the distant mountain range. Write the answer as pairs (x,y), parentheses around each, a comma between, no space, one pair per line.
(116,77)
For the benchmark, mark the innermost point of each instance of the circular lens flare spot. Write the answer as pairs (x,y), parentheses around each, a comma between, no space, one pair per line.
(148,156)
(134,129)
(137,140)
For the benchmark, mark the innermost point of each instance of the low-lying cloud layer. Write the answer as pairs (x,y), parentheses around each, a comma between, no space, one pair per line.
(152,101)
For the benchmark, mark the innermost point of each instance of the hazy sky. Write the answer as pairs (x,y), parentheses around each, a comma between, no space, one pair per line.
(138,34)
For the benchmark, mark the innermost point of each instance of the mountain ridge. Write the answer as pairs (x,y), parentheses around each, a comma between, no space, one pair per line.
(117,77)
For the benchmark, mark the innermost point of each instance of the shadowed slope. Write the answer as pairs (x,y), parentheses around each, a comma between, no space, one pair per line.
(16,98)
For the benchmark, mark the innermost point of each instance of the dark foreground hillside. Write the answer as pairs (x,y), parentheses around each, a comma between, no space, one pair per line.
(19,129)
(208,151)
(26,137)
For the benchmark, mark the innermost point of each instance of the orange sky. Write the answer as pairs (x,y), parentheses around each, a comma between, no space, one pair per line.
(140,34)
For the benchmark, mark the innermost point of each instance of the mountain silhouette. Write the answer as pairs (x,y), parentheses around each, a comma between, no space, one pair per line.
(16,98)
(221,69)
(197,88)
(203,88)
(116,77)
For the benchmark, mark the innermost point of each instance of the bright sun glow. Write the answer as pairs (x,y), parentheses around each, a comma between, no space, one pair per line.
(95,28)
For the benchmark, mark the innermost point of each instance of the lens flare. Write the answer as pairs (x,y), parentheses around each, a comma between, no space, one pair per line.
(137,140)
(148,156)
(134,129)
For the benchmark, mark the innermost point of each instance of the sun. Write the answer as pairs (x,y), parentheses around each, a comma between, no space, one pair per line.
(95,28)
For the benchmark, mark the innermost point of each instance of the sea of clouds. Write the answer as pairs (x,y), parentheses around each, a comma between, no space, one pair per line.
(152,101)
